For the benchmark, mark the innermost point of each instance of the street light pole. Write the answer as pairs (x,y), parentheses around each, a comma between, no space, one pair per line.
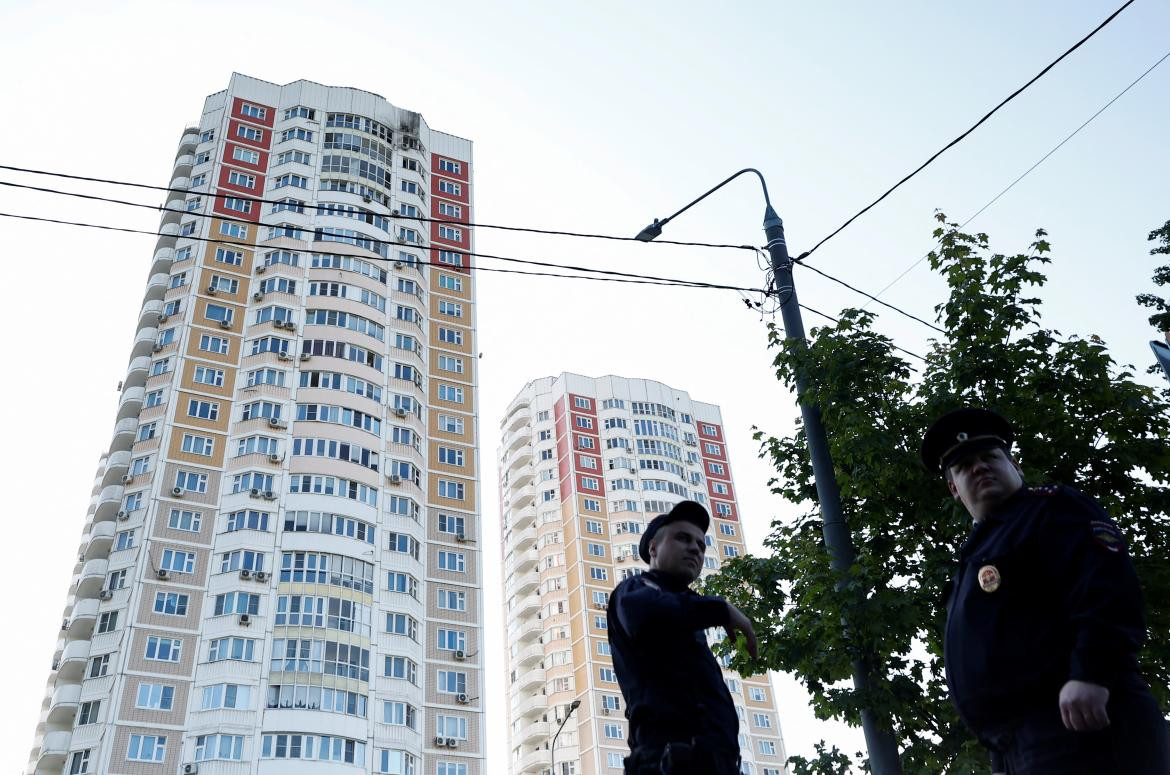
(879,739)
(552,748)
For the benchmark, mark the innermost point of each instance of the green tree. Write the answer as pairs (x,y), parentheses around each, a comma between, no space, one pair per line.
(1081,419)
(1161,317)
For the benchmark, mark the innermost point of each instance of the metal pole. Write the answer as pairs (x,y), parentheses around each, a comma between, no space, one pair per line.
(552,756)
(879,738)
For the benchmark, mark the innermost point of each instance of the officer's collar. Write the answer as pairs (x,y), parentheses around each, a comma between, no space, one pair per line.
(664,580)
(1003,512)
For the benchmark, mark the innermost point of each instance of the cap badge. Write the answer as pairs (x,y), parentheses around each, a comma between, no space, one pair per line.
(989,578)
(961,437)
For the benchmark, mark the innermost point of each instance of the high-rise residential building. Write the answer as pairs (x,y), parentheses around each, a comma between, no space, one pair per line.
(584,464)
(280,568)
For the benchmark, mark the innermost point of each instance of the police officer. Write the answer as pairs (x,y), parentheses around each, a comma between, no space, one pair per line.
(682,719)
(1044,617)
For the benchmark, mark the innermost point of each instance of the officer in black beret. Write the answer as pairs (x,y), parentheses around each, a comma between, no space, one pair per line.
(682,719)
(1044,617)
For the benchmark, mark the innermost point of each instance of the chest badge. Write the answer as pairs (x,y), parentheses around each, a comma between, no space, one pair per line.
(989,578)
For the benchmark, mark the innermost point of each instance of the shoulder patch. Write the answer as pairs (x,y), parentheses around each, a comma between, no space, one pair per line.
(1107,536)
(1046,490)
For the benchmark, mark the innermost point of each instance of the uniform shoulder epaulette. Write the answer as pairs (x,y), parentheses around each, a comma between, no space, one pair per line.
(1047,490)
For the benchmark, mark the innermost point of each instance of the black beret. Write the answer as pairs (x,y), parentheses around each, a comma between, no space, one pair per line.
(963,430)
(689,511)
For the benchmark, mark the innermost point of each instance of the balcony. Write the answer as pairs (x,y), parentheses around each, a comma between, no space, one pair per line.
(63,704)
(136,374)
(535,734)
(116,466)
(529,656)
(525,561)
(101,535)
(522,518)
(533,762)
(529,680)
(109,501)
(124,433)
(131,402)
(73,659)
(521,496)
(181,182)
(157,286)
(521,456)
(151,312)
(93,574)
(183,164)
(524,539)
(54,749)
(144,341)
(189,140)
(173,212)
(532,707)
(528,606)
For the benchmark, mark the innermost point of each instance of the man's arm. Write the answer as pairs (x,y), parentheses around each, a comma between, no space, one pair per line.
(645,609)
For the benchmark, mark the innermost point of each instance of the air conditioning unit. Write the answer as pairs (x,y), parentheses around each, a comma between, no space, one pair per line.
(257,296)
(262,576)
(225,324)
(399,265)
(269,495)
(274,458)
(245,620)
(305,356)
(691,443)
(451,742)
(282,356)
(622,558)
(127,478)
(212,290)
(439,742)
(177,492)
(105,594)
(366,199)
(123,515)
(599,606)
(290,326)
(245,574)
(462,699)
(162,573)
(157,348)
(605,711)
(190,769)
(399,411)
(261,269)
(633,470)
(461,537)
(274,422)
(460,655)
(254,492)
(394,479)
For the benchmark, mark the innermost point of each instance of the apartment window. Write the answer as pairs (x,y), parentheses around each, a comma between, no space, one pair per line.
(761,720)
(451,424)
(448,282)
(767,747)
(452,640)
(155,696)
(296,133)
(187,229)
(451,363)
(598,574)
(214,344)
(245,155)
(219,746)
(79,762)
(123,539)
(163,649)
(450,336)
(177,561)
(451,258)
(585,442)
(181,519)
(191,481)
(402,668)
(204,410)
(591,504)
(98,666)
(297,181)
(451,233)
(396,581)
(234,230)
(614,731)
(452,682)
(198,445)
(199,180)
(723,509)
(447,165)
(595,550)
(161,366)
(153,398)
(87,712)
(241,559)
(452,561)
(450,187)
(450,523)
(226,696)
(243,180)
(451,490)
(116,580)
(452,600)
(237,603)
(451,726)
(607,675)
(206,375)
(402,624)
(250,133)
(170,603)
(757,694)
(726,529)
(451,456)
(147,748)
(238,649)
(399,714)
(300,111)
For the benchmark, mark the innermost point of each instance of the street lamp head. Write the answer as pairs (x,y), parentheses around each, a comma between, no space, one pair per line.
(574,704)
(650,232)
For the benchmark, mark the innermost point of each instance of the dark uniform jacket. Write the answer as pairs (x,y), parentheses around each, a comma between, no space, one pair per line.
(1045,593)
(672,685)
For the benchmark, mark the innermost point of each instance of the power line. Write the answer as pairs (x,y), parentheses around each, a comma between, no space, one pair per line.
(871,297)
(961,137)
(608,275)
(1028,171)
(259,200)
(838,322)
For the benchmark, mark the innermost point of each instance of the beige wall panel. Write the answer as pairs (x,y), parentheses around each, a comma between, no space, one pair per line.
(188,380)
(230,358)
(163,530)
(183,404)
(146,716)
(208,498)
(470,556)
(148,618)
(218,442)
(140,663)
(464,293)
(468,467)
(120,765)
(469,396)
(439,344)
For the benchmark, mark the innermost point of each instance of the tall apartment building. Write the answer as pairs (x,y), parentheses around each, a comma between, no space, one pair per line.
(584,465)
(280,569)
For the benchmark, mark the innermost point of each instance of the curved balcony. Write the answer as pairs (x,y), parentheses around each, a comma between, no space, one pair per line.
(529,680)
(522,518)
(532,707)
(73,659)
(526,561)
(109,502)
(527,606)
(64,703)
(529,655)
(93,574)
(524,583)
(173,212)
(163,258)
(116,467)
(82,618)
(54,749)
(124,432)
(523,476)
(137,372)
(189,140)
(183,164)
(131,402)
(533,761)
(522,496)
(535,734)
(156,286)
(144,341)
(524,539)
(151,312)
(522,455)
(514,438)
(101,535)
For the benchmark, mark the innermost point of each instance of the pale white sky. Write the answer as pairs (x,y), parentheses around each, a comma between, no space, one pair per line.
(591,117)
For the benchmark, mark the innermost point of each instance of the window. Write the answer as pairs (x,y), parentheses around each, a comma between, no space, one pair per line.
(116,580)
(296,133)
(249,133)
(723,509)
(170,603)
(593,526)
(452,682)
(245,155)
(191,481)
(240,649)
(452,561)
(155,696)
(107,622)
(243,180)
(613,731)
(761,720)
(206,375)
(87,712)
(450,187)
(757,693)
(214,344)
(219,746)
(300,111)
(237,603)
(185,520)
(198,445)
(227,696)
(452,600)
(123,539)
(451,258)
(399,714)
(607,675)
(241,559)
(451,490)
(767,748)
(591,504)
(163,649)
(154,398)
(147,748)
(447,165)
(452,640)
(449,523)
(450,282)
(177,561)
(451,726)
(402,668)
(234,230)
(98,666)
(598,574)
(79,762)
(450,233)
(726,529)
(204,410)
(451,424)
(161,366)
(247,519)
(450,335)
(451,363)
(450,210)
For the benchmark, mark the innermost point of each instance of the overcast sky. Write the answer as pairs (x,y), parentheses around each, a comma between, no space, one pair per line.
(587,117)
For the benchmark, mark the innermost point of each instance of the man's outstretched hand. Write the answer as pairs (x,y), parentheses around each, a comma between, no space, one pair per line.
(737,622)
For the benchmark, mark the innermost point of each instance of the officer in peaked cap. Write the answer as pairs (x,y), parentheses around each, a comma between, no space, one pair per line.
(682,719)
(1044,617)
